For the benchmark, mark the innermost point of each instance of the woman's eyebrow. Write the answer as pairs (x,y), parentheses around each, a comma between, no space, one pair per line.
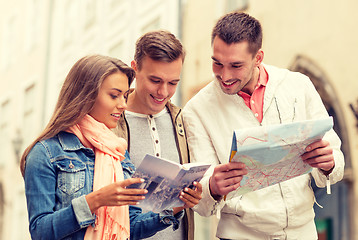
(119,90)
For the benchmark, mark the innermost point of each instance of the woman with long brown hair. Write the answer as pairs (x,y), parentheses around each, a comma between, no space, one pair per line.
(73,171)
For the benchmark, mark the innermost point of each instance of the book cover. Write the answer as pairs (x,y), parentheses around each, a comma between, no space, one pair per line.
(164,181)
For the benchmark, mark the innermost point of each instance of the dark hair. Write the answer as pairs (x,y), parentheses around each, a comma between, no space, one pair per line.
(78,94)
(160,46)
(237,27)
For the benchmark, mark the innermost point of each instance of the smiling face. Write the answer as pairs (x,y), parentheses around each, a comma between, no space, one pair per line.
(235,67)
(111,100)
(156,83)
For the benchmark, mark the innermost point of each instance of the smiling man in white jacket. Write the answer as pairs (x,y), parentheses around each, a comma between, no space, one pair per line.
(247,93)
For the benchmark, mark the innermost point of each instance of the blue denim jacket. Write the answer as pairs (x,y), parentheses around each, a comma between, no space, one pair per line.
(58,175)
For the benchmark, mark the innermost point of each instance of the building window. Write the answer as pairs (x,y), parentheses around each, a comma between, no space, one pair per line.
(5,142)
(90,13)
(5,111)
(113,4)
(2,204)
(9,41)
(117,50)
(29,114)
(151,25)
(33,24)
(70,21)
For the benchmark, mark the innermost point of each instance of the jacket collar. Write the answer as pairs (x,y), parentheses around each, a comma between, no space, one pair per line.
(275,78)
(69,141)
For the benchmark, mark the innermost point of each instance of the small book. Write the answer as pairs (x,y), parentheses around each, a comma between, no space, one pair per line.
(164,181)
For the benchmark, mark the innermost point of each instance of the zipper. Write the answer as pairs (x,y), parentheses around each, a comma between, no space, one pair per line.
(285,209)
(328,184)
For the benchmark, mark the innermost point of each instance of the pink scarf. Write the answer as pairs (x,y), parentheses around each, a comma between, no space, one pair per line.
(112,223)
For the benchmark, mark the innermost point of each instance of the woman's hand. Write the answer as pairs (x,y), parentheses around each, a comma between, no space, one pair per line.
(116,194)
(190,197)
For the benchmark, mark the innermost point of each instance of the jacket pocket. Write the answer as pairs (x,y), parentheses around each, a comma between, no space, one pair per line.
(71,175)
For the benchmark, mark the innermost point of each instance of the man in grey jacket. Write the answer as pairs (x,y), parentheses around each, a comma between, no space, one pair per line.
(153,125)
(247,93)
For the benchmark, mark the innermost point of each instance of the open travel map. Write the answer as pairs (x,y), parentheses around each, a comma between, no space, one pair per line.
(272,153)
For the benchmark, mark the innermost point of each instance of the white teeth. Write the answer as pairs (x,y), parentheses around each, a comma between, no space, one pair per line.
(159,99)
(228,84)
(115,115)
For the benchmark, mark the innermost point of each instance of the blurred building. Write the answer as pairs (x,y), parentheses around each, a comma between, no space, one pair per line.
(23,41)
(40,40)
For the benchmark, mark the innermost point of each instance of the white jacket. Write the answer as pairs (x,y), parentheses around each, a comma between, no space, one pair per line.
(281,211)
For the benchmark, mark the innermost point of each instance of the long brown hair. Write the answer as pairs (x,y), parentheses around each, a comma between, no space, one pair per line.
(78,94)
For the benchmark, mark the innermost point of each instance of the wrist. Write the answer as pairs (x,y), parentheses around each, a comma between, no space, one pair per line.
(92,201)
(177,209)
(217,197)
(327,172)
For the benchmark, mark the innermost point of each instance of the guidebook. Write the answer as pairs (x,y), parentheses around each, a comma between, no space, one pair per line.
(164,181)
(272,154)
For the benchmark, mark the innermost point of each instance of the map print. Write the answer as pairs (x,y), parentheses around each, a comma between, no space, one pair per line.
(272,153)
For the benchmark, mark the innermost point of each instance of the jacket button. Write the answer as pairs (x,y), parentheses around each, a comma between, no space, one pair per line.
(166,220)
(71,165)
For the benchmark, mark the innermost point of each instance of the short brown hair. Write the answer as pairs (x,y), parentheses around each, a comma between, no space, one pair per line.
(237,27)
(159,45)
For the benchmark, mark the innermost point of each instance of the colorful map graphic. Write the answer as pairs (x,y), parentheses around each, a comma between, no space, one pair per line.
(272,153)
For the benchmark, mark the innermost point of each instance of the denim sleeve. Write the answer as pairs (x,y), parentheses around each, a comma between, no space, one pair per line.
(40,188)
(145,225)
(128,166)
(83,212)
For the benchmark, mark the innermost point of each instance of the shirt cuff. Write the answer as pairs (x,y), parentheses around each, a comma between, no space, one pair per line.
(326,173)
(82,212)
(166,217)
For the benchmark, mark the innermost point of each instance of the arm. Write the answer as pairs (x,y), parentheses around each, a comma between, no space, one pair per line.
(219,179)
(116,194)
(47,221)
(40,187)
(325,154)
(144,225)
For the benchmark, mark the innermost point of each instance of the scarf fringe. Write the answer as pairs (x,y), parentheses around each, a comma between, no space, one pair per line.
(113,230)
